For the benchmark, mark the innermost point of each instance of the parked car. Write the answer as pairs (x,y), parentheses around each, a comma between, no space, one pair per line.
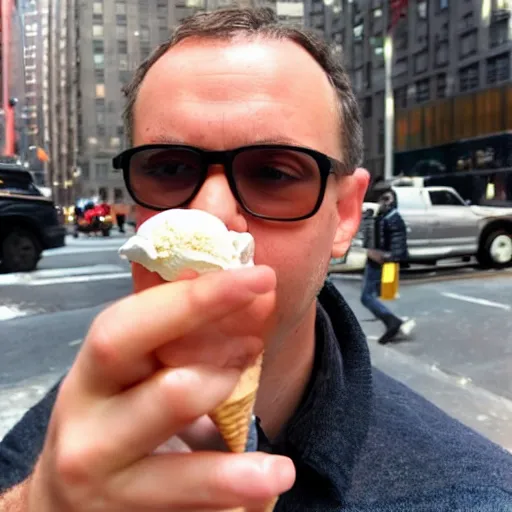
(29,222)
(441,225)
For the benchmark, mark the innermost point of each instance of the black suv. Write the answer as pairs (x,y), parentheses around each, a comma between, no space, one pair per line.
(29,222)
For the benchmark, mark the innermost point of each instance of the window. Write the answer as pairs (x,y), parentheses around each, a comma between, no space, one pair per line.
(367,107)
(123,62)
(121,20)
(441,56)
(144,34)
(163,34)
(121,32)
(103,191)
(100,104)
(358,79)
(380,136)
(98,46)
(124,77)
(101,130)
(97,7)
(468,44)
(468,21)
(401,39)
(468,77)
(115,142)
(122,47)
(498,68)
(368,75)
(100,90)
(444,198)
(120,7)
(100,118)
(420,62)
(443,4)
(400,95)
(498,33)
(120,131)
(118,195)
(358,32)
(99,60)
(97,30)
(441,85)
(400,67)
(99,74)
(422,9)
(422,90)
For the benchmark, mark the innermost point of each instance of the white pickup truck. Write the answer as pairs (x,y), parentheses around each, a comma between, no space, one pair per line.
(441,225)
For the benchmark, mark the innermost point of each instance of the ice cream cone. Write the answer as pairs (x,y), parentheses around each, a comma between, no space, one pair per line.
(233,417)
(269,508)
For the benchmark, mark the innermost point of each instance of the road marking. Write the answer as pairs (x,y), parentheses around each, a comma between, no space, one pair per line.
(78,250)
(80,279)
(10,312)
(26,278)
(476,300)
(74,343)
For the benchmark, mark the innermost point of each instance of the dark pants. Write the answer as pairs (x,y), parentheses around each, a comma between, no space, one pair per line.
(371,292)
(120,222)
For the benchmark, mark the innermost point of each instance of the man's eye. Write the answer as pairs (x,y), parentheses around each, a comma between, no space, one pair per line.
(273,173)
(168,169)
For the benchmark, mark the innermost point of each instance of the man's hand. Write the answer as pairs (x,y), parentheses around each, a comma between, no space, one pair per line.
(376,256)
(151,368)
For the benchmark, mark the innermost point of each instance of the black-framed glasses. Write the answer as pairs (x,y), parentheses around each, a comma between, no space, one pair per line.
(274,182)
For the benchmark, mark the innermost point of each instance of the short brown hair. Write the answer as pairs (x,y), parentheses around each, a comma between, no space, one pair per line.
(232,22)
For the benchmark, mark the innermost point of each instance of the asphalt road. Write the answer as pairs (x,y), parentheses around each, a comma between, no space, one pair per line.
(460,355)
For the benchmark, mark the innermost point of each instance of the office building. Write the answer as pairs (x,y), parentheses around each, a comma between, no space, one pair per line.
(450,67)
(115,37)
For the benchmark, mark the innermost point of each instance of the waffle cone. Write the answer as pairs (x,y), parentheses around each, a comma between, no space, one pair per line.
(268,508)
(233,416)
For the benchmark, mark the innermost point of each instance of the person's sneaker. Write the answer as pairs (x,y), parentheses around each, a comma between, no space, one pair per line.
(407,326)
(393,328)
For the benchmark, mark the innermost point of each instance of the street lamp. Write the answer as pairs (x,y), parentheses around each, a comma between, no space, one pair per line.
(389,107)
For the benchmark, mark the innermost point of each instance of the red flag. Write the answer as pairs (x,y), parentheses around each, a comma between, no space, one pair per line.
(397,10)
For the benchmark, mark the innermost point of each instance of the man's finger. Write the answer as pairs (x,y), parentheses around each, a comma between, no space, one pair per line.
(205,481)
(145,416)
(119,345)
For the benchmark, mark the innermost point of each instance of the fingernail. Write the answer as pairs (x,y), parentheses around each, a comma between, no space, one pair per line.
(281,471)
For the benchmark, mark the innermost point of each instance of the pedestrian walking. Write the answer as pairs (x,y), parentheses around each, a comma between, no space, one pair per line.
(385,237)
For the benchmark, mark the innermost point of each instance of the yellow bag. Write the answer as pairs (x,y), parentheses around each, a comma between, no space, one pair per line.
(389,281)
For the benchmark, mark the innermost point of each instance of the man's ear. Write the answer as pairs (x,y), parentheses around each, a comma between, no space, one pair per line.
(351,192)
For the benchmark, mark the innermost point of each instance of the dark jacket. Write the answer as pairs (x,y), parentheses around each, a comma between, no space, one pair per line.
(388,233)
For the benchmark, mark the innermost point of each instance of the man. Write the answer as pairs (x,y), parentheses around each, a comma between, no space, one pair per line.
(388,243)
(229,80)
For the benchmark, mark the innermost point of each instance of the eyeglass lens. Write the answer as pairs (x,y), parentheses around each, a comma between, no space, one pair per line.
(274,183)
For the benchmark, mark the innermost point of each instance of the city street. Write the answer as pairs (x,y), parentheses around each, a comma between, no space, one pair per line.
(460,355)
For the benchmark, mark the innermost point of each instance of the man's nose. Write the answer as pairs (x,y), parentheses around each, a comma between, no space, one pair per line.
(215,197)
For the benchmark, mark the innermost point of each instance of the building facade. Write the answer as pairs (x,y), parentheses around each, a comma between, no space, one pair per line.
(450,61)
(115,37)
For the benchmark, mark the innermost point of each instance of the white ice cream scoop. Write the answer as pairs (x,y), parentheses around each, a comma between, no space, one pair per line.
(177,240)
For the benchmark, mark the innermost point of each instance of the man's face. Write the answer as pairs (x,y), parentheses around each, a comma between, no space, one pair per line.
(386,202)
(220,95)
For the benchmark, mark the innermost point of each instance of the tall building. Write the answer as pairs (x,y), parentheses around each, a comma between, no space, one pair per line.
(115,36)
(450,68)
(12,79)
(60,92)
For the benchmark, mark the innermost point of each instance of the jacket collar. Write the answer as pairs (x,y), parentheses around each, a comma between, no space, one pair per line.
(328,431)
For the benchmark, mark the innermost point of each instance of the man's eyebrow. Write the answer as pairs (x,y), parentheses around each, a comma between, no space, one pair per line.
(277,140)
